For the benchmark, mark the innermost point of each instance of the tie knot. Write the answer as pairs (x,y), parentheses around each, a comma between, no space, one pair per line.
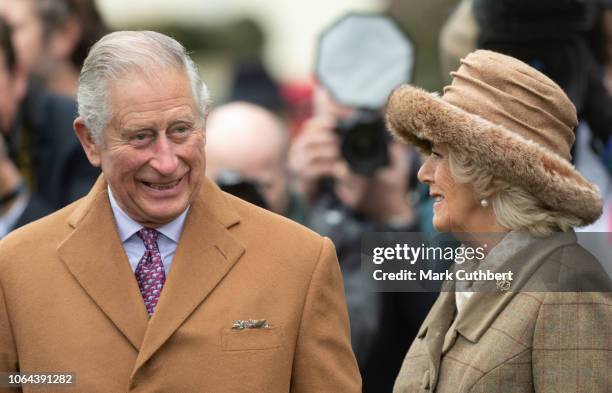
(149,237)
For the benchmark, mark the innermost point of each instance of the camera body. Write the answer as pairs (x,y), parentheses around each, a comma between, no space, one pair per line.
(360,59)
(233,183)
(364,142)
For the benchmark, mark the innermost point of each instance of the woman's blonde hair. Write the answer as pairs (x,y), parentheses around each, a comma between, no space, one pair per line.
(513,206)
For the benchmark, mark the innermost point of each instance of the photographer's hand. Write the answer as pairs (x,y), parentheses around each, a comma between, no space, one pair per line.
(313,155)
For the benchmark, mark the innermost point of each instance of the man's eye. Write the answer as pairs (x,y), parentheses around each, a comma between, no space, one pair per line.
(180,132)
(140,138)
(182,129)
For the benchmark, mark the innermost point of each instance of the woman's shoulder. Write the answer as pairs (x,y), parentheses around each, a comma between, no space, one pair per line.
(572,268)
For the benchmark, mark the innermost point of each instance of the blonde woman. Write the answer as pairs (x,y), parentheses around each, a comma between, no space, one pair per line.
(498,148)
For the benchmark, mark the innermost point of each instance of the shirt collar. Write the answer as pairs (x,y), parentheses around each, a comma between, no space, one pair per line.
(127,227)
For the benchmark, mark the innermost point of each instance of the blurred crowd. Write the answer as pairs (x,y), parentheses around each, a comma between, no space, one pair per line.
(281,146)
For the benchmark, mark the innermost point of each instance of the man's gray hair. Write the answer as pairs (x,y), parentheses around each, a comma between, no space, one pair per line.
(123,52)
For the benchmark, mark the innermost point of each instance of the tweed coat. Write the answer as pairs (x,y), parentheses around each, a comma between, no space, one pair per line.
(520,341)
(69,302)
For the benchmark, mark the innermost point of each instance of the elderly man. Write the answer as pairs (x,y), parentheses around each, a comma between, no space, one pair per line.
(157,280)
(251,142)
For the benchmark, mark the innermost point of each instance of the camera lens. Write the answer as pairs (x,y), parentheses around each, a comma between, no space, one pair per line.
(364,142)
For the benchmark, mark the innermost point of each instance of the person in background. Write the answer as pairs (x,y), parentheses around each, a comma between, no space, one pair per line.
(52,38)
(607,33)
(457,38)
(157,280)
(39,137)
(556,38)
(17,205)
(347,207)
(252,143)
(498,144)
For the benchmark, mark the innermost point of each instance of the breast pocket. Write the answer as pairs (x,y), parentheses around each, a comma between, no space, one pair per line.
(251,339)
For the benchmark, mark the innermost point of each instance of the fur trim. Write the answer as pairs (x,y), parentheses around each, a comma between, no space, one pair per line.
(419,118)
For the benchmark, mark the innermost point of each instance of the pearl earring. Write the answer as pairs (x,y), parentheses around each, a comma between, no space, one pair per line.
(484,202)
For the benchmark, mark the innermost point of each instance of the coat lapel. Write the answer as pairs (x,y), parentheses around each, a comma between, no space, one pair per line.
(206,252)
(433,330)
(94,255)
(485,306)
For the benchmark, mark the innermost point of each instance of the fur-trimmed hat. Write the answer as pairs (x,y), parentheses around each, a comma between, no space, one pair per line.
(507,117)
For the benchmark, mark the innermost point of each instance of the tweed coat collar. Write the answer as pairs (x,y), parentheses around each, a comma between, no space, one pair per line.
(93,253)
(482,308)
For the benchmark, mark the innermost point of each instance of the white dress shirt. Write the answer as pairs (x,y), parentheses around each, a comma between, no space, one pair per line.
(167,240)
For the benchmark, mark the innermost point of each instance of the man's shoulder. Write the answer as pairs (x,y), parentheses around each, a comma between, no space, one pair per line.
(273,229)
(252,215)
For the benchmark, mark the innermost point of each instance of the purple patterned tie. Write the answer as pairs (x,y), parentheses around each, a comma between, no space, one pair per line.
(150,273)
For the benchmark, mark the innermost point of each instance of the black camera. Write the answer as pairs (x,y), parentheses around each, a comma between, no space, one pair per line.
(248,190)
(364,142)
(360,59)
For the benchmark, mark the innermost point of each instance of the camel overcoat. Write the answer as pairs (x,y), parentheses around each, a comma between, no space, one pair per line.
(69,302)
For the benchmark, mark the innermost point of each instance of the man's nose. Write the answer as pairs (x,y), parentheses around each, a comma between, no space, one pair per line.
(425,174)
(164,160)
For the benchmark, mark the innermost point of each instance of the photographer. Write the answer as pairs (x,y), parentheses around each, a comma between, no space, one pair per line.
(316,155)
(355,181)
(560,39)
(246,151)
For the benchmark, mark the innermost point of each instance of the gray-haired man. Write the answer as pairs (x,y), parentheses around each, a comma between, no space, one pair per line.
(157,280)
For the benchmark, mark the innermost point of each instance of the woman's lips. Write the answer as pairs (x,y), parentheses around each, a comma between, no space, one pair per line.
(437,197)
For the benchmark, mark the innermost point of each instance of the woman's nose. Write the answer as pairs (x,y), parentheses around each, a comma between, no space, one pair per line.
(425,174)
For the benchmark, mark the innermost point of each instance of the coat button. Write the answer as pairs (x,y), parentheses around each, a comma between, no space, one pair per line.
(425,383)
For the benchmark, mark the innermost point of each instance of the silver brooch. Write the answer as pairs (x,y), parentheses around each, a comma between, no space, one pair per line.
(503,285)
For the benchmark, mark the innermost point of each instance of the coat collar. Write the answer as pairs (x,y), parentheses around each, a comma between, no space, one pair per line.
(482,308)
(205,254)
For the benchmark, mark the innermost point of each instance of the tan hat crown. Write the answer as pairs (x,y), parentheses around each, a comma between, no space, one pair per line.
(507,92)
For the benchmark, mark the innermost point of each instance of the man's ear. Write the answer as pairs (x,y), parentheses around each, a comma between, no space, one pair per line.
(89,145)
